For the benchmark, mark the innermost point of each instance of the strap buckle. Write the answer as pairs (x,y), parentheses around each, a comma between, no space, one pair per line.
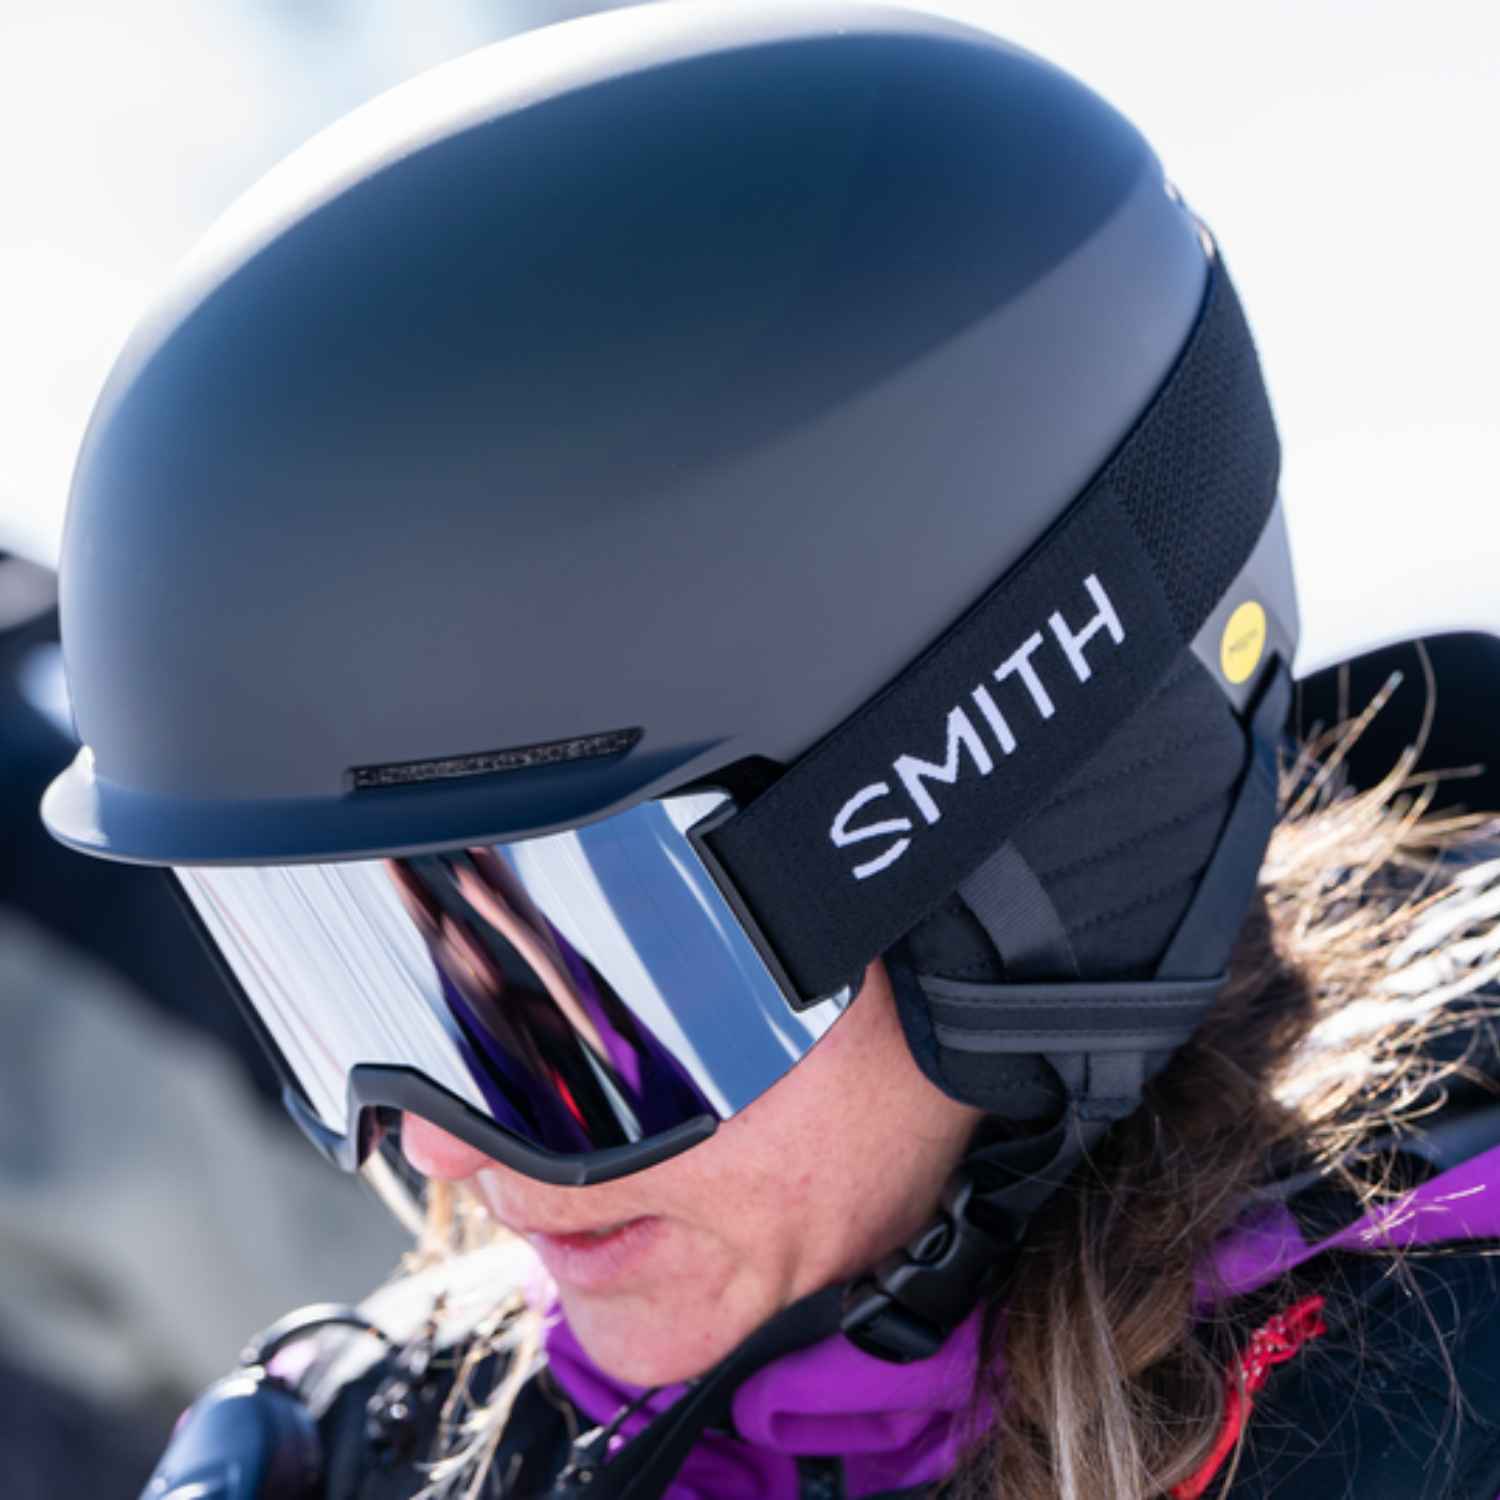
(907,1306)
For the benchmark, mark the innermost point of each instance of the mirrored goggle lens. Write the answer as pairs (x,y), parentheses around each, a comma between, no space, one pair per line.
(584,996)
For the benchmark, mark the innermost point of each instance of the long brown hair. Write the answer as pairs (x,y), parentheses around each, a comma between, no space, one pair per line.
(1343,978)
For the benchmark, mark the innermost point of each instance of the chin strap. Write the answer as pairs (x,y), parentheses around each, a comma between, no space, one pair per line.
(1103,1040)
(909,1305)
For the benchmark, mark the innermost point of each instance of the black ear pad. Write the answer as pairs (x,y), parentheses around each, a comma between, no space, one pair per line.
(1119,851)
(1121,847)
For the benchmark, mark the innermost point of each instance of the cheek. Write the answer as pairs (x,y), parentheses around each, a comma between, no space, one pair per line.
(435,1153)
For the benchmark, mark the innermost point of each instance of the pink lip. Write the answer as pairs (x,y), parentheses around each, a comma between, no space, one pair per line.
(595,1262)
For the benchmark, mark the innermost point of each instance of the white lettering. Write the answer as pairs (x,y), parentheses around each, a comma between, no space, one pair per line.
(1020,661)
(913,772)
(1106,619)
(994,718)
(843,835)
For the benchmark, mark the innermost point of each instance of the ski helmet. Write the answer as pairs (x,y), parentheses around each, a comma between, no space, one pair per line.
(643,520)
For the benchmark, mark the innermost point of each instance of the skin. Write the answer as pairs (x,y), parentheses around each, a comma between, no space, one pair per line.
(837,1164)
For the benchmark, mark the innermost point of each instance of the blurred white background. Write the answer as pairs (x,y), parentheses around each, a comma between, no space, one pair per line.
(1343,150)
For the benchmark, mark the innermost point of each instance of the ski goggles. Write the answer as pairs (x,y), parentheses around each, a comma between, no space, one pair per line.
(578,1006)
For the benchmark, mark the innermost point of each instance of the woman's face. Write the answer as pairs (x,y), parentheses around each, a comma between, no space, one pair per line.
(663,1273)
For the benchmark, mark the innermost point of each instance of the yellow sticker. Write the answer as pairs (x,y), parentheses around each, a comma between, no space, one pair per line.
(1244,641)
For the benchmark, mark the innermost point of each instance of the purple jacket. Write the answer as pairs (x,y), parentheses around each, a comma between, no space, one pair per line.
(898,1426)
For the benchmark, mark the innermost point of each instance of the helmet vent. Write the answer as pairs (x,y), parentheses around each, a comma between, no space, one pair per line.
(487,762)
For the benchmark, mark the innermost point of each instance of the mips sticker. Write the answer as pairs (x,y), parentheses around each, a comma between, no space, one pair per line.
(1244,642)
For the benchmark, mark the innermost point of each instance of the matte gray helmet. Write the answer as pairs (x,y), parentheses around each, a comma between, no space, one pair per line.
(826,404)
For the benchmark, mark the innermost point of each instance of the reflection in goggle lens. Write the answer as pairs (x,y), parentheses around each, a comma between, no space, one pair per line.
(556,1054)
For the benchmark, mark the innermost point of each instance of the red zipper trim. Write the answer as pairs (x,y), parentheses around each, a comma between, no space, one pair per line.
(1273,1343)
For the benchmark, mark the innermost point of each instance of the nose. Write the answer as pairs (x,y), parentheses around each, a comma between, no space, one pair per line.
(435,1153)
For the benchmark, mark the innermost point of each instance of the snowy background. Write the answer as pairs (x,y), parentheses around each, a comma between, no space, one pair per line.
(1343,150)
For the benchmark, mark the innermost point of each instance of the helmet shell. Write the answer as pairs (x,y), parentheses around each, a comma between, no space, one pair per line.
(684,370)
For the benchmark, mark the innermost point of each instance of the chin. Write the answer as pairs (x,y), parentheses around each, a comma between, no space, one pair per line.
(650,1347)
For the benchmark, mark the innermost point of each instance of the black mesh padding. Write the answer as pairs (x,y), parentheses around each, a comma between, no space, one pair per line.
(1198,475)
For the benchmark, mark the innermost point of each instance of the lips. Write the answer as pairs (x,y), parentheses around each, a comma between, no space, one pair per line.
(558,1232)
(600,1257)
